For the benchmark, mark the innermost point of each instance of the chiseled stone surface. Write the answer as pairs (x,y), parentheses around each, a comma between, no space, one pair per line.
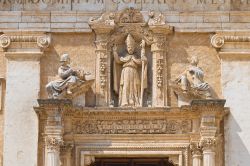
(20,122)
(235,87)
(194,22)
(77,21)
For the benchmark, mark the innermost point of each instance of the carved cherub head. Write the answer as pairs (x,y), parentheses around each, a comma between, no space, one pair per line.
(64,59)
(130,42)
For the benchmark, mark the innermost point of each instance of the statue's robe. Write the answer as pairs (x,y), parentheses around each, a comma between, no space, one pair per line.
(127,80)
(67,77)
(197,76)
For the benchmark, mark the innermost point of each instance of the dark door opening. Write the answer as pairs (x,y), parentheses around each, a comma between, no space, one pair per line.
(133,162)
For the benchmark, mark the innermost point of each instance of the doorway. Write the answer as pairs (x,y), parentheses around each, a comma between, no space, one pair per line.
(133,162)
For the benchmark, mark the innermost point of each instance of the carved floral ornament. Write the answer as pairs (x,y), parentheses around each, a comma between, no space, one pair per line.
(53,143)
(208,143)
(127,16)
(218,41)
(43,41)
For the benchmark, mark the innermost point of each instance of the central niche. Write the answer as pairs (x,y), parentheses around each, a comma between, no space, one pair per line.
(131,61)
(131,53)
(131,71)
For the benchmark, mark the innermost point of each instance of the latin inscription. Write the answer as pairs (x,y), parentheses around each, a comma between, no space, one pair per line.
(107,5)
(116,2)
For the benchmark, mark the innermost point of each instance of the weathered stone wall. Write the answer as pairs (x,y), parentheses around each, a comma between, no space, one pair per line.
(194,23)
(77,21)
(111,5)
(235,84)
(183,46)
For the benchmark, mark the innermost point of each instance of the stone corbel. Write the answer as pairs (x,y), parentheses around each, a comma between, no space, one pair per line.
(102,27)
(158,48)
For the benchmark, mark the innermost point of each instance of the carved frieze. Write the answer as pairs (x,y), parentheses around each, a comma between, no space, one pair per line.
(132,126)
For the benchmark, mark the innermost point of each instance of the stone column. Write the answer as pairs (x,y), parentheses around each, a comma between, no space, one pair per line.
(102,30)
(208,145)
(23,52)
(208,139)
(196,154)
(159,81)
(52,112)
(53,137)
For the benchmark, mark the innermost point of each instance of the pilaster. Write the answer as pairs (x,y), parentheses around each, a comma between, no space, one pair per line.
(23,51)
(52,112)
(196,152)
(102,29)
(159,64)
(208,139)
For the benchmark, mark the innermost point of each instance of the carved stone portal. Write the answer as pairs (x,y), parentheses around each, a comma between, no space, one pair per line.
(131,119)
(89,133)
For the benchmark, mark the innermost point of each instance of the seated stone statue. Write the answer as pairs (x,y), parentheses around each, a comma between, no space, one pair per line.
(191,81)
(68,78)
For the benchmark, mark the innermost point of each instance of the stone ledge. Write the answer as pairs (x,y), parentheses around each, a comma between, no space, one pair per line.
(77,21)
(208,102)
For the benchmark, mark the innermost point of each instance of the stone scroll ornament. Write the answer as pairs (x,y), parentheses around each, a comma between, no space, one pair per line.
(190,83)
(130,74)
(69,80)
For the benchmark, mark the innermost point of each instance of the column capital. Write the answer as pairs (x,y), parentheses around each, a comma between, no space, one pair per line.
(232,45)
(53,143)
(24,45)
(196,149)
(103,24)
(208,143)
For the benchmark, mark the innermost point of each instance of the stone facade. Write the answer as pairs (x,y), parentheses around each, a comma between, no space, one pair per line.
(160,116)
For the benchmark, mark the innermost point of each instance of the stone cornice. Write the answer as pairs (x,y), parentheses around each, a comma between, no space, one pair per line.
(24,45)
(232,45)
